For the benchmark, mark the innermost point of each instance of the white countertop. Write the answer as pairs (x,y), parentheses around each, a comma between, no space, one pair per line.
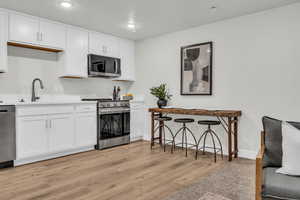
(45,100)
(46,103)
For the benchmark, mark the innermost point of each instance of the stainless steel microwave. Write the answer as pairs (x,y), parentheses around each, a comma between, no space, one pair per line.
(102,66)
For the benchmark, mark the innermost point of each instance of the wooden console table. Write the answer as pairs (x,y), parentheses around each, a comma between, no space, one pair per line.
(228,118)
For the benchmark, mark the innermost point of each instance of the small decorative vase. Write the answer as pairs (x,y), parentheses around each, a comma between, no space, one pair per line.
(162,103)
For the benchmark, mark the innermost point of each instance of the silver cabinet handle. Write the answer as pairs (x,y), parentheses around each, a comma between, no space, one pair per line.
(50,122)
(38,36)
(46,123)
(104,49)
(41,36)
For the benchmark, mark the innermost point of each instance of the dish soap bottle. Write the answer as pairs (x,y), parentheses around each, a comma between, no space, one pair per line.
(115,93)
(118,93)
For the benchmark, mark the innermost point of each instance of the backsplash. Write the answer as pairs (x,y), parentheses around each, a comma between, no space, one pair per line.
(26,64)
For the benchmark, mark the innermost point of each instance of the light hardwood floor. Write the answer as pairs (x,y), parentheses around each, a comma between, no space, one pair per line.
(130,172)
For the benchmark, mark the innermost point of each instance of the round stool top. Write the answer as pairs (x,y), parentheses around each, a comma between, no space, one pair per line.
(163,118)
(184,120)
(209,122)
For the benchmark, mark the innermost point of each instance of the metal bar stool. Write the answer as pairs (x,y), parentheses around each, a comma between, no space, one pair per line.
(213,136)
(162,126)
(184,130)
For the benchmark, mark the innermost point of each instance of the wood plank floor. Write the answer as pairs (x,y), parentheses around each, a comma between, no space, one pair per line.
(130,172)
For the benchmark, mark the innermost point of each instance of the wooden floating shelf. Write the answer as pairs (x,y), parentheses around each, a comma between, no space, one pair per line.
(28,46)
(73,77)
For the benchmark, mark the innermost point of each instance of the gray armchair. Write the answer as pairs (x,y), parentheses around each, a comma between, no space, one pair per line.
(269,184)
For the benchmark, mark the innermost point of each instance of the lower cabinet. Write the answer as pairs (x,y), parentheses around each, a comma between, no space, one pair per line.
(85,129)
(32,136)
(61,133)
(137,121)
(42,136)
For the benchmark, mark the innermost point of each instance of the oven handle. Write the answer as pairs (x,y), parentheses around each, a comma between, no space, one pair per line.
(116,112)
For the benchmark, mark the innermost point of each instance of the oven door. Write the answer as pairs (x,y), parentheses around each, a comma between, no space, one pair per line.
(114,125)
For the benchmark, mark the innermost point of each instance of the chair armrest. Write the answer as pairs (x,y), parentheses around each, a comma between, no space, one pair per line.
(259,168)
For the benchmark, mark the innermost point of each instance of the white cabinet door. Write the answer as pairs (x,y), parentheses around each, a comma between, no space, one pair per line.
(103,44)
(3,41)
(52,34)
(24,29)
(75,57)
(86,129)
(61,133)
(31,136)
(127,54)
(137,121)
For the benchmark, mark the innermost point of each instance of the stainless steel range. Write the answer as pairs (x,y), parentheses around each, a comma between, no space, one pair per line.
(113,123)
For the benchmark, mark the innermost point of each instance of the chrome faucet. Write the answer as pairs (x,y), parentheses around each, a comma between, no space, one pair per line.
(33,95)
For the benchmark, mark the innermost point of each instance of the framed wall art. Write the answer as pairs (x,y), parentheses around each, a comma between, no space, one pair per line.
(196,69)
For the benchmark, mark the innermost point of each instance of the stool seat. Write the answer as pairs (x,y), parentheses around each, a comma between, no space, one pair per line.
(184,120)
(163,118)
(209,122)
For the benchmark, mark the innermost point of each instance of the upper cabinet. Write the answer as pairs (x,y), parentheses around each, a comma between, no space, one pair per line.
(75,56)
(23,29)
(127,54)
(52,34)
(103,44)
(35,31)
(3,41)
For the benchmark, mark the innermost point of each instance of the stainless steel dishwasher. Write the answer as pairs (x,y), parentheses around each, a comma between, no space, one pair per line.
(7,136)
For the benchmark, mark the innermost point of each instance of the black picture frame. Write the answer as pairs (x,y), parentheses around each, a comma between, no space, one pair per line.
(209,72)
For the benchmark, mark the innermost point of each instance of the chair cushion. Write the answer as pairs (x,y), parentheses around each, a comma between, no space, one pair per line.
(184,120)
(290,150)
(279,186)
(273,142)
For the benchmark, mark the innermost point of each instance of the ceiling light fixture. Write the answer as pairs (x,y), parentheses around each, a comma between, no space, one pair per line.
(66,4)
(131,26)
(213,8)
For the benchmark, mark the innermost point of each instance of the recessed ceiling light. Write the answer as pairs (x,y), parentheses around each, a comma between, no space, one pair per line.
(66,4)
(131,26)
(213,8)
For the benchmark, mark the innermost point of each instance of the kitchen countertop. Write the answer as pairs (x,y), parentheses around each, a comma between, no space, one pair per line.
(46,103)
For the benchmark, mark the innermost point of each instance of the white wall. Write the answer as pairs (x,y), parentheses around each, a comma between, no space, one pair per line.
(256,69)
(26,64)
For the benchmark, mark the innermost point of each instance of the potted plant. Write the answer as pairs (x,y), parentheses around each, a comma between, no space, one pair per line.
(162,93)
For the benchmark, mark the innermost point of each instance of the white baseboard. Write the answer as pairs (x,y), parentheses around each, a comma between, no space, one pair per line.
(248,154)
(51,156)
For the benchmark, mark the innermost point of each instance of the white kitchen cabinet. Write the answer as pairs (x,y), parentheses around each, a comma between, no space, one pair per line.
(61,132)
(52,34)
(35,31)
(74,59)
(24,29)
(137,120)
(127,54)
(50,131)
(103,44)
(32,137)
(85,129)
(3,41)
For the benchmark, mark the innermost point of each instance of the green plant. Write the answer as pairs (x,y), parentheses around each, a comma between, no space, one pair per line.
(161,92)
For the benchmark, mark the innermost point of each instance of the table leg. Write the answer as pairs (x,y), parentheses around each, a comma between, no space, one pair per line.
(152,129)
(236,137)
(160,130)
(229,139)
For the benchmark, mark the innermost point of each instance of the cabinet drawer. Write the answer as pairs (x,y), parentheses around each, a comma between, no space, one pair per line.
(43,110)
(86,108)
